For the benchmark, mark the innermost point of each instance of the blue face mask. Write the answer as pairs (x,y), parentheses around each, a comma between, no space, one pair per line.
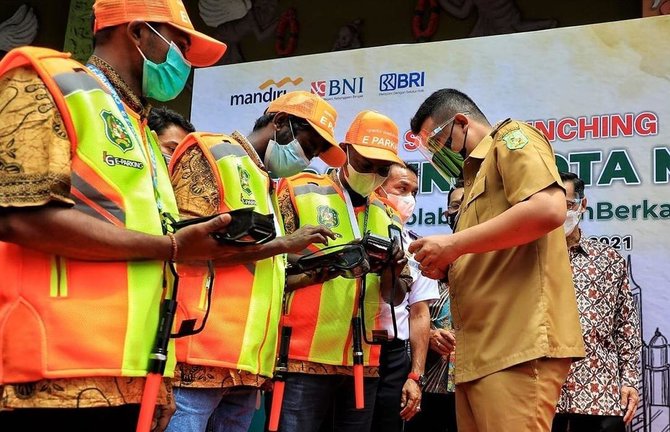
(166,80)
(285,160)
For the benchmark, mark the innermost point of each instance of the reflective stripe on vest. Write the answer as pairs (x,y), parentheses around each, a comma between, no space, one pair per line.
(86,318)
(320,315)
(241,331)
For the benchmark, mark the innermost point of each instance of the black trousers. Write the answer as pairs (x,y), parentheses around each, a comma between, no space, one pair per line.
(438,414)
(111,419)
(394,366)
(587,423)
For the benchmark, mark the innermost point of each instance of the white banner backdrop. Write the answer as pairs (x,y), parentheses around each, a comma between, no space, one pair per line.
(601,93)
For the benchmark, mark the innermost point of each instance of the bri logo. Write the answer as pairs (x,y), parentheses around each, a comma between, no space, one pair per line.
(401,81)
(344,88)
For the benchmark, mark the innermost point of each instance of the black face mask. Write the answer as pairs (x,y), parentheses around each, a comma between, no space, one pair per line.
(451,221)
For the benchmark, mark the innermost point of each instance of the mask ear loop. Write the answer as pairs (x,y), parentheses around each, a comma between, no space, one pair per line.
(156,31)
(290,126)
(447,143)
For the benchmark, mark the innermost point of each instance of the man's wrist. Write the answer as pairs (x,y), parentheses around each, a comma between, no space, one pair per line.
(420,379)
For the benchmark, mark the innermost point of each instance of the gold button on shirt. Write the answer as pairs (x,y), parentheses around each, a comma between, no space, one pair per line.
(513,305)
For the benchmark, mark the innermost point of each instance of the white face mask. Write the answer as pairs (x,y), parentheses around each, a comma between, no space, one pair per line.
(362,183)
(571,221)
(404,204)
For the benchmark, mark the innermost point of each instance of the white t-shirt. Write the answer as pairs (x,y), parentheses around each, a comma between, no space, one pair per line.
(422,289)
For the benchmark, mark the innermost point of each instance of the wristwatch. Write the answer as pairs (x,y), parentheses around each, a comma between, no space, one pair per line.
(420,379)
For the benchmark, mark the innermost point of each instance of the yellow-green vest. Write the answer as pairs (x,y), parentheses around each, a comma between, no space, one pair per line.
(61,317)
(320,315)
(241,330)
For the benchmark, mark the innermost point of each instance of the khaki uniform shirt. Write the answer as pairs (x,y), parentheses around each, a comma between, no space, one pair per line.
(518,304)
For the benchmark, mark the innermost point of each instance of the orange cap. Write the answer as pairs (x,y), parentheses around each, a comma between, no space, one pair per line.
(318,113)
(204,50)
(374,136)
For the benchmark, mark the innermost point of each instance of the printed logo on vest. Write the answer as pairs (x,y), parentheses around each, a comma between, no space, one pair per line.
(116,132)
(327,217)
(390,212)
(245,185)
(112,160)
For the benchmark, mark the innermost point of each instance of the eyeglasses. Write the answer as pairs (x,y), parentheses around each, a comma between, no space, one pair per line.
(428,139)
(573,204)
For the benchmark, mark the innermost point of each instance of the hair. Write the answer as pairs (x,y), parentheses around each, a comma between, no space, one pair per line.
(160,118)
(444,104)
(576,182)
(458,185)
(298,123)
(412,167)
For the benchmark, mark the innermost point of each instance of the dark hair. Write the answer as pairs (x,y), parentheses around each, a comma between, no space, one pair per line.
(160,118)
(458,185)
(576,182)
(412,167)
(446,103)
(298,123)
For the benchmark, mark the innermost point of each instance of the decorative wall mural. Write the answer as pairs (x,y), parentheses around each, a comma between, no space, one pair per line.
(286,36)
(494,16)
(78,34)
(216,12)
(349,36)
(20,29)
(425,20)
(655,7)
(260,19)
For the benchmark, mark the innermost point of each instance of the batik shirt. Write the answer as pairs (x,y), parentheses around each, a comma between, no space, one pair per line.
(611,330)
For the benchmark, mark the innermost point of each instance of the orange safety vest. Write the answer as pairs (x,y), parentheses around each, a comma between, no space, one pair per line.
(320,315)
(61,317)
(241,330)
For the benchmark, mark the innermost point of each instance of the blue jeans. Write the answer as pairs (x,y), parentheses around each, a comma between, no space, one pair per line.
(231,410)
(326,403)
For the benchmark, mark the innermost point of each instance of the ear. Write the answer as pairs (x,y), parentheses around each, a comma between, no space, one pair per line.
(584,203)
(462,120)
(134,31)
(281,119)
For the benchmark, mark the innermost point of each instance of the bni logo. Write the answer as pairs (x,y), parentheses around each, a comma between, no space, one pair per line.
(340,88)
(401,81)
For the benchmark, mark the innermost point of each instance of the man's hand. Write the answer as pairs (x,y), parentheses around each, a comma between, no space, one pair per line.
(304,236)
(435,253)
(310,277)
(162,416)
(194,242)
(163,413)
(629,401)
(410,400)
(442,341)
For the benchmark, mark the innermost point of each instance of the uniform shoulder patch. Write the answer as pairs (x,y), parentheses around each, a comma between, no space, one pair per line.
(515,139)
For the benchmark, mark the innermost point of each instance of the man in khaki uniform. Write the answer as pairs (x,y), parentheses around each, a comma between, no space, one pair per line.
(513,302)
